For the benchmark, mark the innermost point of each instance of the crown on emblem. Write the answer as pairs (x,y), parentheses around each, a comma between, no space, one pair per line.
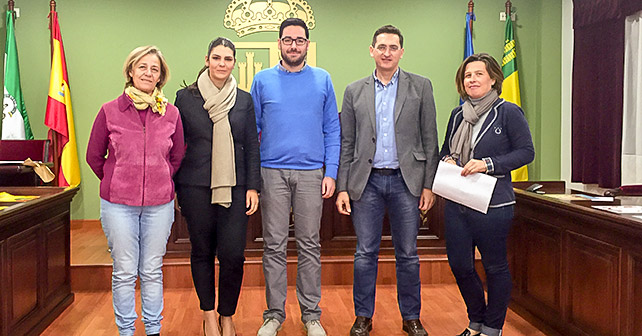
(249,16)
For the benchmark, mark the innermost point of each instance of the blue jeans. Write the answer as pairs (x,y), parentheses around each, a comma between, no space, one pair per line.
(381,192)
(137,237)
(465,230)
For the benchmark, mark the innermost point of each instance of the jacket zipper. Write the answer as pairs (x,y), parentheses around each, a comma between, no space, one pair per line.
(144,163)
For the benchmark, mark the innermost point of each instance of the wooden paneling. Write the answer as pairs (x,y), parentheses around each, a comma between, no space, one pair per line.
(57,241)
(4,309)
(178,243)
(34,260)
(23,275)
(593,272)
(636,297)
(578,270)
(336,270)
(337,233)
(543,256)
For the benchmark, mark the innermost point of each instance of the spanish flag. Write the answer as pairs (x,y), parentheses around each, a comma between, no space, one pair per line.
(59,117)
(510,88)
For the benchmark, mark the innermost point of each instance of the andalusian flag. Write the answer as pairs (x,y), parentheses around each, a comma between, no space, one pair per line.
(59,117)
(510,88)
(15,123)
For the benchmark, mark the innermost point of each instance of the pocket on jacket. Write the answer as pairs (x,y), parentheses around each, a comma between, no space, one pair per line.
(419,156)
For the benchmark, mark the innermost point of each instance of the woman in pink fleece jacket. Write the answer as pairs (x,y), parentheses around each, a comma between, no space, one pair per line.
(136,146)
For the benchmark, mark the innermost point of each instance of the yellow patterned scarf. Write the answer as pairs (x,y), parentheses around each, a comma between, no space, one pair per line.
(142,100)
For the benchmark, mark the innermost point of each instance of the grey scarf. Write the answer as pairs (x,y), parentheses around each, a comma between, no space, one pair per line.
(218,103)
(460,145)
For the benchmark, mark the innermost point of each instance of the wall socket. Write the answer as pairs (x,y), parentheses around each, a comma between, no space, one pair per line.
(17,12)
(502,16)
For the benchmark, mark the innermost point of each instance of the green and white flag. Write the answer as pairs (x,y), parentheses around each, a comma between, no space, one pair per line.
(15,123)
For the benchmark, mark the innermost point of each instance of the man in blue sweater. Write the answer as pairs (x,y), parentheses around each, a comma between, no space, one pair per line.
(298,122)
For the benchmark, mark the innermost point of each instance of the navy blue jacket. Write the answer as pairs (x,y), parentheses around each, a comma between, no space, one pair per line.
(504,138)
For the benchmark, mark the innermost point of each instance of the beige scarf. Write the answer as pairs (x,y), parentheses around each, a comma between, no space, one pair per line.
(218,103)
(142,100)
(460,145)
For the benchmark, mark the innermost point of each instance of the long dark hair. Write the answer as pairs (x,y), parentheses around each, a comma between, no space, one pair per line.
(224,41)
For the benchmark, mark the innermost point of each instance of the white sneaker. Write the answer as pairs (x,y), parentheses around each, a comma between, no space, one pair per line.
(314,328)
(269,328)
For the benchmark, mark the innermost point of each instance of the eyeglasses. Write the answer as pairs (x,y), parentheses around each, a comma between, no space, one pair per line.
(299,40)
(382,48)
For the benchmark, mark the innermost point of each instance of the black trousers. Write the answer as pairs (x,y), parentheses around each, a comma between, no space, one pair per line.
(215,232)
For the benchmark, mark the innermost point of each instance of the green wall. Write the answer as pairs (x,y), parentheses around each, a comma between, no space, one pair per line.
(98,35)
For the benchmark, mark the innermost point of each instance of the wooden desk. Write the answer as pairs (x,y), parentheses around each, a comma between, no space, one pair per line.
(34,260)
(577,269)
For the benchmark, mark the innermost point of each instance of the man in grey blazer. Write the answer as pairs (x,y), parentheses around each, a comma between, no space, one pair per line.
(389,156)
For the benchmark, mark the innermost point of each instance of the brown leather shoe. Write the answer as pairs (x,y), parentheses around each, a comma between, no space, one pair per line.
(414,328)
(361,327)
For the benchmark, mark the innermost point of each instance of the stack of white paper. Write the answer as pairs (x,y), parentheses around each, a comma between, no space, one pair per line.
(473,191)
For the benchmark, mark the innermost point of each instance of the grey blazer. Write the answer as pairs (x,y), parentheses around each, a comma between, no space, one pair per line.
(415,134)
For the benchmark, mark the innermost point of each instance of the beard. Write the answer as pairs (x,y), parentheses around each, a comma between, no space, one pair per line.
(294,60)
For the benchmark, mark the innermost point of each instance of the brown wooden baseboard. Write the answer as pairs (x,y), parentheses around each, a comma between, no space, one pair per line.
(335,271)
(85,223)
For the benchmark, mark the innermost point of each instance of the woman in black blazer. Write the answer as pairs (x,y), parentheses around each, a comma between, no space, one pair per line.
(218,182)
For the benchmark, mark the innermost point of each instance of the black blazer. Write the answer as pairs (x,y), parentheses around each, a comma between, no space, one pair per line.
(196,167)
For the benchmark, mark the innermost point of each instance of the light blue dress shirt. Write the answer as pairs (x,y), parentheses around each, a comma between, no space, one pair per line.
(385,97)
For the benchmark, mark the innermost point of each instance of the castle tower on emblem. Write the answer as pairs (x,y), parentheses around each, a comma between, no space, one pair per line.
(253,16)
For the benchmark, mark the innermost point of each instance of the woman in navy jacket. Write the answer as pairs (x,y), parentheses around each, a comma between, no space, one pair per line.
(218,182)
(488,135)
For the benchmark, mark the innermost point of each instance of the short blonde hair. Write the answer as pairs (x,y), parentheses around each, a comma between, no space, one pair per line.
(136,55)
(492,67)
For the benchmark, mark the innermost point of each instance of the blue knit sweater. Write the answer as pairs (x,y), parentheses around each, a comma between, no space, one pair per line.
(297,119)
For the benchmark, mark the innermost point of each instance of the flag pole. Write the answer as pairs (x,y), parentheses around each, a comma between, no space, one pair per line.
(52,8)
(471,7)
(11,7)
(508,9)
(54,152)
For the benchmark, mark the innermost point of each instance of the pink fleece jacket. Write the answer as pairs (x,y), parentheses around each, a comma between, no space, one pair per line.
(135,154)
